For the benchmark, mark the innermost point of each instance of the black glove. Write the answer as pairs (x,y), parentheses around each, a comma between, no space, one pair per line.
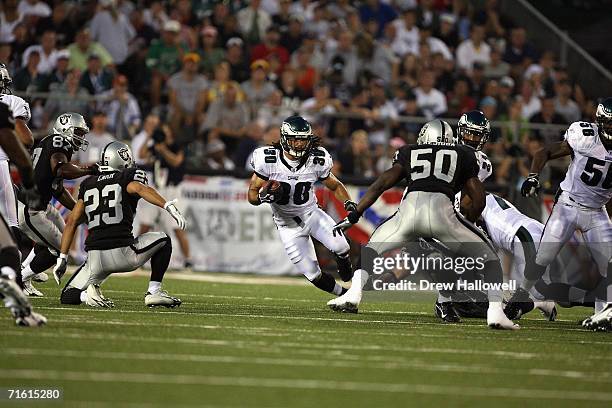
(531,186)
(31,198)
(268,197)
(346,223)
(350,206)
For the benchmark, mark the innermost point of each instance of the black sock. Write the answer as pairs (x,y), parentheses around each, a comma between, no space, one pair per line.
(160,261)
(42,261)
(345,269)
(326,282)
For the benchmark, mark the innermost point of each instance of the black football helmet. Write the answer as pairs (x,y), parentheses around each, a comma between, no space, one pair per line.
(603,118)
(5,80)
(293,130)
(475,125)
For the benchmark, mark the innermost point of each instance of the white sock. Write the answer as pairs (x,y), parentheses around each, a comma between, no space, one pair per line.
(26,262)
(154,287)
(496,305)
(337,290)
(8,273)
(84,296)
(27,273)
(495,296)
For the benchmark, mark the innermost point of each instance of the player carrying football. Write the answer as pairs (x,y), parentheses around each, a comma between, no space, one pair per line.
(579,205)
(107,202)
(436,170)
(296,164)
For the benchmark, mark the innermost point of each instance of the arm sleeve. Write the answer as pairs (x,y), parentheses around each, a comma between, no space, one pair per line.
(21,110)
(577,140)
(324,163)
(259,165)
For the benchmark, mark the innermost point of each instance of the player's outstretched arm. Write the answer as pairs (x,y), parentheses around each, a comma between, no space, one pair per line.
(531,185)
(76,217)
(152,196)
(65,198)
(62,168)
(340,192)
(254,186)
(24,133)
(475,190)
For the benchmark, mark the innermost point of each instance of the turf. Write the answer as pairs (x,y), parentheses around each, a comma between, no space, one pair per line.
(277,345)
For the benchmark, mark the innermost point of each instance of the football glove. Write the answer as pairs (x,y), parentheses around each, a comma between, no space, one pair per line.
(350,206)
(175,213)
(531,186)
(60,267)
(346,223)
(267,197)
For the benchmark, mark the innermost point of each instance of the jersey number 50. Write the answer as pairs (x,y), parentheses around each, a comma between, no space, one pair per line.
(444,164)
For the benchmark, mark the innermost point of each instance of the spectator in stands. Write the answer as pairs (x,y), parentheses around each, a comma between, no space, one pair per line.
(10,17)
(306,74)
(156,16)
(385,162)
(270,48)
(430,100)
(282,18)
(187,98)
(98,138)
(504,97)
(409,130)
(34,8)
(96,79)
(409,70)
(253,22)
(374,60)
(344,52)
(164,58)
(143,32)
(490,16)
(384,112)
(519,53)
(239,67)
(145,135)
(427,15)
(531,102)
(210,53)
(220,83)
(436,46)
(121,108)
(258,88)
(355,158)
(292,39)
(518,129)
(83,47)
(227,117)
(274,111)
(67,97)
(548,115)
(407,30)
(321,103)
(292,94)
(496,68)
(459,100)
(447,31)
(59,73)
(563,102)
(46,51)
(378,11)
(112,30)
(216,156)
(59,23)
(473,49)
(29,78)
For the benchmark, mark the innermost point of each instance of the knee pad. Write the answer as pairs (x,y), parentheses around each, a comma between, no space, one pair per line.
(71,296)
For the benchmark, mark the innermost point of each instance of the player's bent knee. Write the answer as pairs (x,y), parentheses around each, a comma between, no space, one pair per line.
(340,247)
(71,296)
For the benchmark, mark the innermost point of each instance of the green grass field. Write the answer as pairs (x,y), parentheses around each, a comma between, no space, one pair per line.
(258,344)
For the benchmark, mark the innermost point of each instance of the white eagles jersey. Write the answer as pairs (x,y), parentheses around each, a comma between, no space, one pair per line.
(589,176)
(297,178)
(485,169)
(20,109)
(503,220)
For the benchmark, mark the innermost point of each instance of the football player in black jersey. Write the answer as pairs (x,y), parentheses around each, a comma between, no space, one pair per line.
(10,277)
(107,203)
(436,170)
(44,225)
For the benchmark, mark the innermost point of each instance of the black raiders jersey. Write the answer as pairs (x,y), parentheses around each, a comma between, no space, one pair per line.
(110,208)
(44,179)
(6,117)
(437,168)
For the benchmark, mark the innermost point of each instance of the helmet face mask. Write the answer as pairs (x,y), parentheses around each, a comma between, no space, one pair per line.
(73,128)
(473,129)
(603,118)
(5,80)
(116,156)
(296,136)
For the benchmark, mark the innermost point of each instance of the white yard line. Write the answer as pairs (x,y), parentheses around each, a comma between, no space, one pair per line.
(304,383)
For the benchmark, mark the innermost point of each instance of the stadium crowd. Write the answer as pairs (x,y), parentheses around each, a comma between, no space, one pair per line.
(223,74)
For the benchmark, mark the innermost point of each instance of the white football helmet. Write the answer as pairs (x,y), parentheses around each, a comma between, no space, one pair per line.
(116,156)
(72,126)
(436,132)
(603,117)
(5,80)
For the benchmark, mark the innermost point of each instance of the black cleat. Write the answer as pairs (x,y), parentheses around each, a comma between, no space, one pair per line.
(446,312)
(471,309)
(519,304)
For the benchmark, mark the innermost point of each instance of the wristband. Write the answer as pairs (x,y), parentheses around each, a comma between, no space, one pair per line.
(532,175)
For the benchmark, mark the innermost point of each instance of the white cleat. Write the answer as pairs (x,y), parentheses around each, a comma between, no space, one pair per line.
(19,305)
(349,302)
(30,290)
(548,309)
(40,277)
(601,321)
(95,298)
(32,320)
(161,298)
(496,318)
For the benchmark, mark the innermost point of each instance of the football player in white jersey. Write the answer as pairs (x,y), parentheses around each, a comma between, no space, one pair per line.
(297,163)
(21,113)
(579,205)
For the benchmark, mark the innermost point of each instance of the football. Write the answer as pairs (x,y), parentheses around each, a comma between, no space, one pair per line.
(271,186)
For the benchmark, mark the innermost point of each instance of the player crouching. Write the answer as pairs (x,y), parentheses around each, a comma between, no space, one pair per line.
(284,177)
(107,202)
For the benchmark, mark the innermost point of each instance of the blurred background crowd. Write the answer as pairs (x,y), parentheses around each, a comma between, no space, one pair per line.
(221,76)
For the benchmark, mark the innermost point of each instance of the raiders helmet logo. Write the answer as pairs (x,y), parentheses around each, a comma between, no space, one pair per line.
(64,119)
(124,154)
